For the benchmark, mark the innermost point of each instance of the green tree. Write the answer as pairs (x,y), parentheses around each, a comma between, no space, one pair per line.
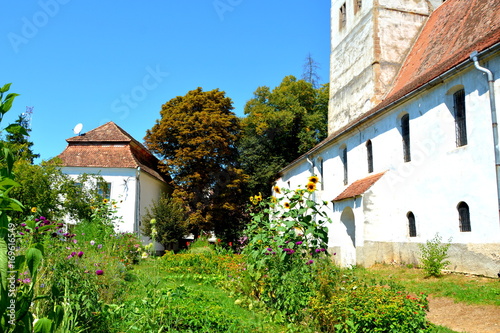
(170,221)
(281,125)
(19,144)
(196,138)
(52,193)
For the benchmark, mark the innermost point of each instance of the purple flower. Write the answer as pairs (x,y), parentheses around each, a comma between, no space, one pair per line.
(99,246)
(309,262)
(298,243)
(99,272)
(269,249)
(80,254)
(73,254)
(21,233)
(335,253)
(42,218)
(317,250)
(27,280)
(322,250)
(23,224)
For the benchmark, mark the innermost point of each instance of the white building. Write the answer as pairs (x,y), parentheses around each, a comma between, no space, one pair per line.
(411,150)
(130,171)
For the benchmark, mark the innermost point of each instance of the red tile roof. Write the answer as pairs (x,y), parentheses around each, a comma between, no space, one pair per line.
(359,187)
(452,32)
(109,146)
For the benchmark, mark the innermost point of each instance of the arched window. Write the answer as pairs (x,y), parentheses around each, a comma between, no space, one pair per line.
(369,155)
(460,123)
(412,228)
(405,133)
(464,217)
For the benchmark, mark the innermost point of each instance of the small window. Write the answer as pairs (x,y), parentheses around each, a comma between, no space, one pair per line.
(412,228)
(460,123)
(344,162)
(342,17)
(104,190)
(464,217)
(357,5)
(369,155)
(405,132)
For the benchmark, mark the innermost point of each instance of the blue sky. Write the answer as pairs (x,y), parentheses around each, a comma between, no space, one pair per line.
(91,62)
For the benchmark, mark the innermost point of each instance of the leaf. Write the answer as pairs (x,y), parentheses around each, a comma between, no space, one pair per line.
(33,260)
(43,325)
(16,129)
(5,87)
(3,264)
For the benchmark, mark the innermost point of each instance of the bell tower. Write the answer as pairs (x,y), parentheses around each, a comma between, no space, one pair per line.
(369,41)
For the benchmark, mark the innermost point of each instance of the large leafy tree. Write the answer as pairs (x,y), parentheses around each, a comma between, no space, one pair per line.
(281,124)
(195,138)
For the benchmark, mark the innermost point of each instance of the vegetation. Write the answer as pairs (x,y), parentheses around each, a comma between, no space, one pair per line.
(433,256)
(196,138)
(169,221)
(280,125)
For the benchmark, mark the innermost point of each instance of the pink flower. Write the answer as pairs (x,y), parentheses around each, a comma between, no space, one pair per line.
(99,272)
(80,254)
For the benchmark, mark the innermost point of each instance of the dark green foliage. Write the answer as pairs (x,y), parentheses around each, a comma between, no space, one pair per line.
(280,125)
(171,221)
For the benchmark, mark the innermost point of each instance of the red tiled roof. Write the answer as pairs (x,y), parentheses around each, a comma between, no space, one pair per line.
(452,32)
(109,146)
(359,187)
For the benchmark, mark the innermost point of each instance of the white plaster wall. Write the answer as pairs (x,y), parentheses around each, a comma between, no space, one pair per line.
(123,191)
(431,185)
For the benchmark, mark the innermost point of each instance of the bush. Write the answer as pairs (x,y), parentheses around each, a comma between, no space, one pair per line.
(170,222)
(433,254)
(345,303)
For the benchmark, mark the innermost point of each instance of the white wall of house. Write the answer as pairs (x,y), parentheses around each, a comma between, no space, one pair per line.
(438,177)
(124,190)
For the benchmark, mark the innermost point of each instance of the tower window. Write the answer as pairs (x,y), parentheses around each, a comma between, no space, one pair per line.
(357,5)
(344,162)
(369,155)
(412,228)
(405,132)
(464,217)
(342,16)
(460,123)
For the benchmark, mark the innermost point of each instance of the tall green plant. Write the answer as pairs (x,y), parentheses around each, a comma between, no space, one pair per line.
(286,237)
(15,301)
(433,255)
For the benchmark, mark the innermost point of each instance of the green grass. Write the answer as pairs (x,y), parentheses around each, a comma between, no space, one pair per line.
(462,288)
(191,303)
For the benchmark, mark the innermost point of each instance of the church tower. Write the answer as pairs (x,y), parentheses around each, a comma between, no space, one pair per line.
(369,42)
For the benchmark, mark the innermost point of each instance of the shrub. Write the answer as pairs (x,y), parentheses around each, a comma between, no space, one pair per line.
(170,218)
(433,254)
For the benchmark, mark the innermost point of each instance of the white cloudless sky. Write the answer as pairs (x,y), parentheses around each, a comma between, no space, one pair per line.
(91,61)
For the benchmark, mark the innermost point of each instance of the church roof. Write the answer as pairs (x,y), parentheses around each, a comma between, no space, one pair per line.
(359,187)
(109,146)
(452,32)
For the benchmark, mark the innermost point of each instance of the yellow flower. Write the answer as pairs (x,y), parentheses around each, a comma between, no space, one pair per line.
(277,189)
(105,201)
(311,186)
(92,207)
(287,205)
(33,209)
(274,200)
(314,179)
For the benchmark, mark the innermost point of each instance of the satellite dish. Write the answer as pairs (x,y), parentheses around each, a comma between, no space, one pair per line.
(78,128)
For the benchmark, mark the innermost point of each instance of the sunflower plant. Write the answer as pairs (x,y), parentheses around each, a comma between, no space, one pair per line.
(287,236)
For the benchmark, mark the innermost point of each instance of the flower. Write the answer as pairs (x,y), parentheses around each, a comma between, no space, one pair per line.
(144,255)
(99,272)
(23,224)
(277,189)
(92,242)
(286,205)
(80,254)
(269,249)
(105,201)
(298,243)
(311,187)
(99,246)
(33,209)
(313,179)
(310,262)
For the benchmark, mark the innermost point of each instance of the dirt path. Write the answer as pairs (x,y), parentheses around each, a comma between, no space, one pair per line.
(461,317)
